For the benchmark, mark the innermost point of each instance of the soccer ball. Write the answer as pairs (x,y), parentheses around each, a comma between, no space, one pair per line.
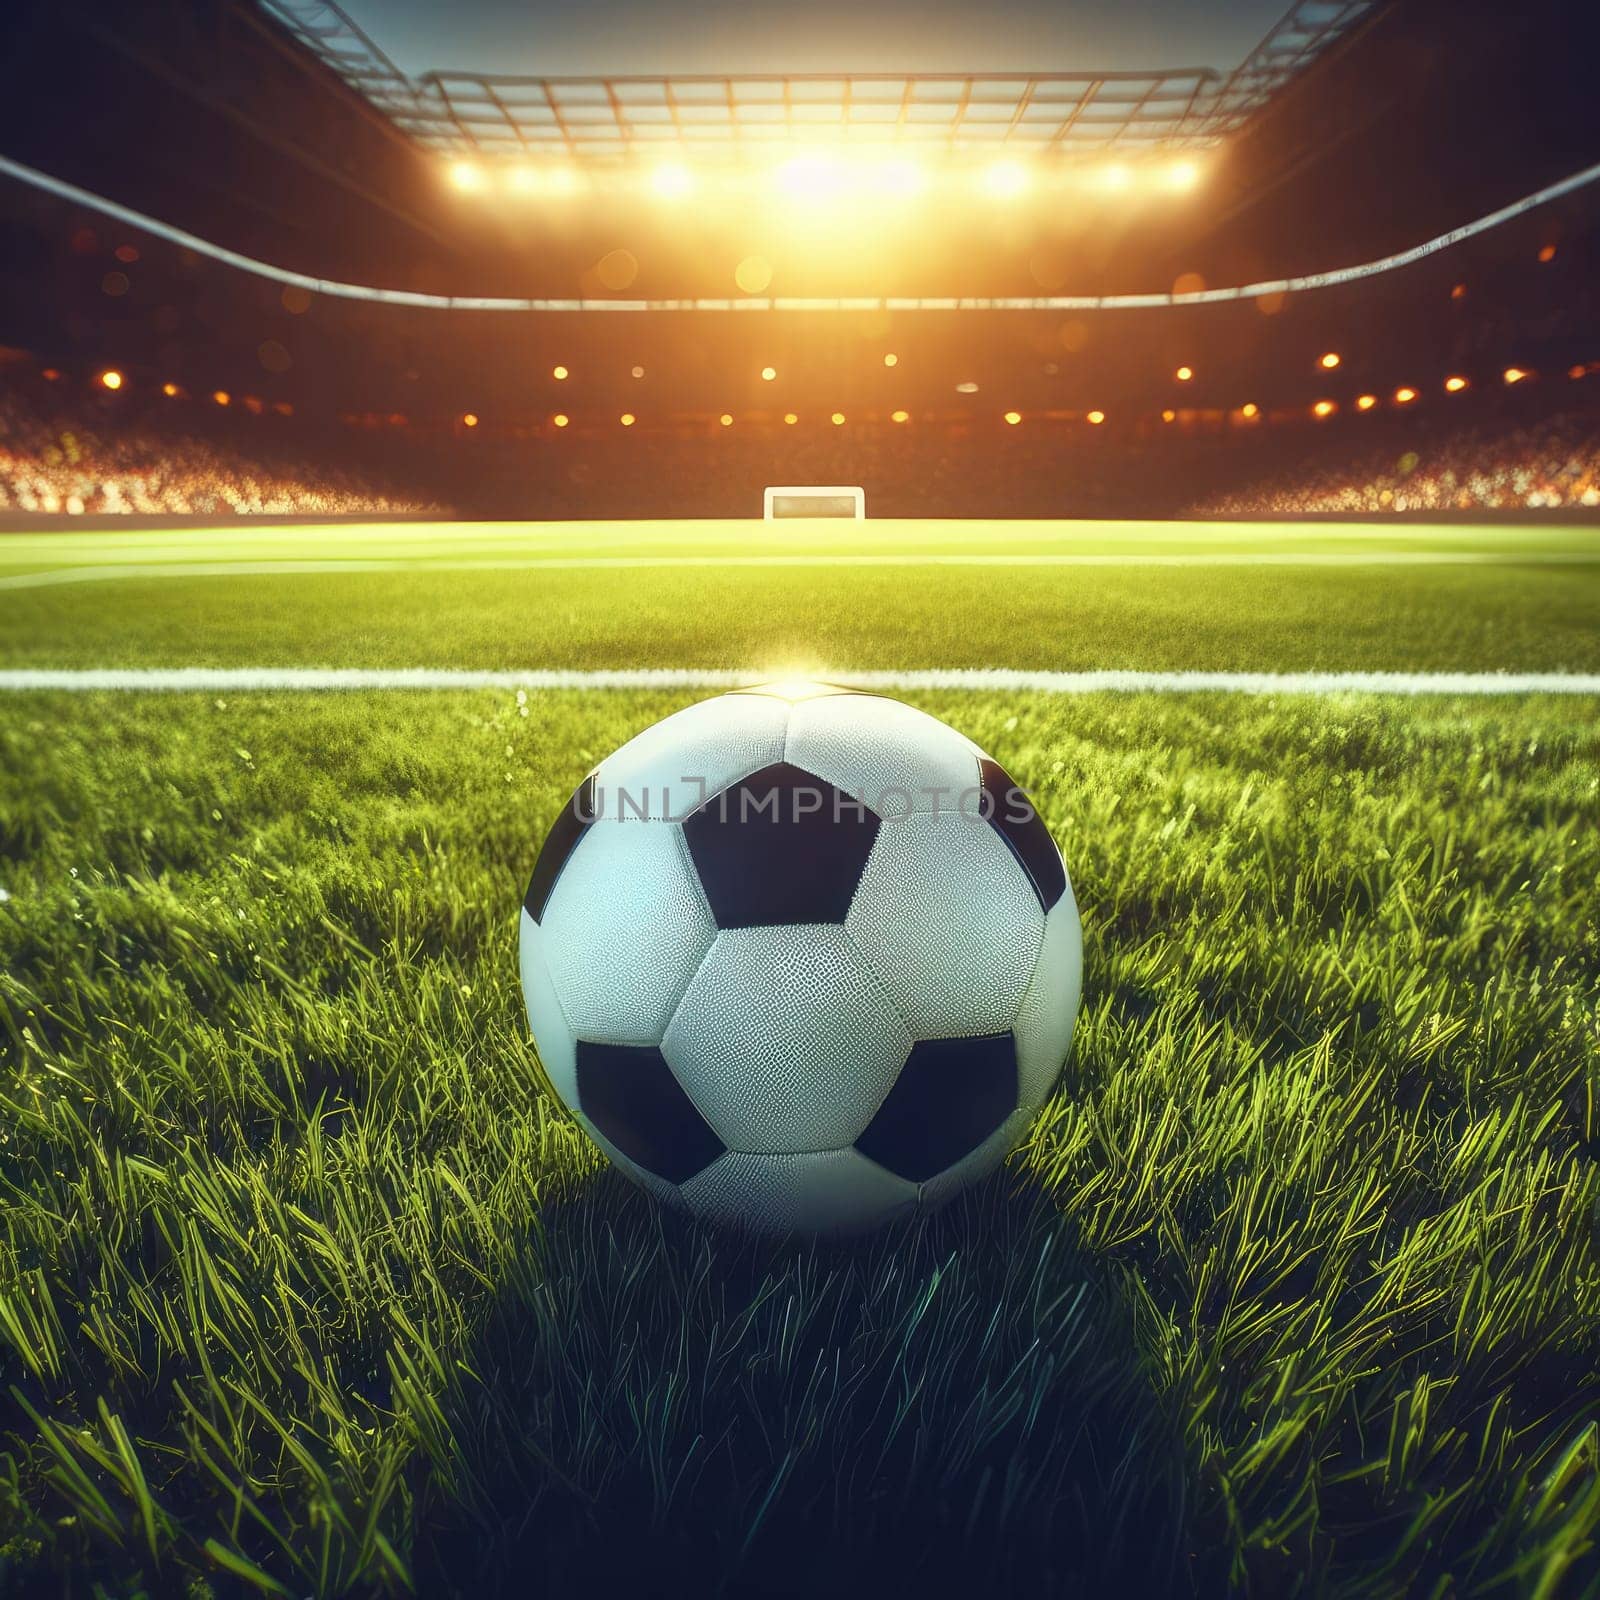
(801,958)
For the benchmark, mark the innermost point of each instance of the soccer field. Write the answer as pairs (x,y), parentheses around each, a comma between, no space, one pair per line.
(308,1286)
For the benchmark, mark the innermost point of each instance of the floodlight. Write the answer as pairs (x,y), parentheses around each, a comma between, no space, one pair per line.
(1116,177)
(1005,180)
(671,181)
(467,176)
(1183,175)
(111,379)
(900,176)
(810,177)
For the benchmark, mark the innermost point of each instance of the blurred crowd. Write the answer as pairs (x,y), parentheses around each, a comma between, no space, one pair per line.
(1547,465)
(52,460)
(61,454)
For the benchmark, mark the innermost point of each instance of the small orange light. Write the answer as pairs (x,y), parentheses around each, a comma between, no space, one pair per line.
(1184,374)
(1404,397)
(1013,417)
(222,397)
(51,374)
(1329,361)
(1514,374)
(170,390)
(561,419)
(1324,408)
(1365,402)
(1455,385)
(1547,253)
(127,254)
(283,408)
(1249,409)
(899,416)
(627,419)
(838,419)
(1169,415)
(726,420)
(768,374)
(1097,417)
(558,373)
(1458,291)
(1578,371)
(790,418)
(469,419)
(891,359)
(111,379)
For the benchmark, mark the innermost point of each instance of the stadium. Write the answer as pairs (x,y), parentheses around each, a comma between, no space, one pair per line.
(388,435)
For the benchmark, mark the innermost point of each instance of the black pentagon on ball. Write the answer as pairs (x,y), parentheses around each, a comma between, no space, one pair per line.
(1012,816)
(783,846)
(950,1096)
(629,1093)
(566,832)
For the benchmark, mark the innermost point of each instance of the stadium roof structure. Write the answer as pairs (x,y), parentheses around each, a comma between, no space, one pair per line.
(611,119)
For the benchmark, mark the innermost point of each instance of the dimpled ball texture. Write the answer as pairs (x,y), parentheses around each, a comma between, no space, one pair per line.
(801,959)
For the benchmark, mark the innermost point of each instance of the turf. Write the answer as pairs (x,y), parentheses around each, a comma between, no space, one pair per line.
(1522,599)
(308,1287)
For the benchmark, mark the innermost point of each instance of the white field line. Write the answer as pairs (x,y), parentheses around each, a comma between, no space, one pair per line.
(238,680)
(1309,558)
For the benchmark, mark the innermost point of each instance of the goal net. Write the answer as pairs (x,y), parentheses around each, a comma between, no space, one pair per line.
(812,500)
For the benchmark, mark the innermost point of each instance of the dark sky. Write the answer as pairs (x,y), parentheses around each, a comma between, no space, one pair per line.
(553,37)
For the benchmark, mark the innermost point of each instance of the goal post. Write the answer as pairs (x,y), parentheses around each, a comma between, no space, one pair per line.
(813,500)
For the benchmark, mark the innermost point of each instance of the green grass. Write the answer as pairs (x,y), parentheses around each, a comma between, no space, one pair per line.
(1294,1282)
(1503,608)
(308,1287)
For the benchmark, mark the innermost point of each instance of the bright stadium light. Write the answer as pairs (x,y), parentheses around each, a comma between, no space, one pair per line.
(1183,175)
(1250,409)
(1329,361)
(467,176)
(627,419)
(811,177)
(561,419)
(469,419)
(222,397)
(899,416)
(1005,180)
(170,390)
(1184,374)
(1096,418)
(558,373)
(838,419)
(1116,177)
(1404,396)
(790,418)
(900,176)
(726,419)
(1365,402)
(1323,408)
(111,379)
(768,374)
(891,359)
(1169,415)
(1013,417)
(1455,384)
(671,181)
(1514,374)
